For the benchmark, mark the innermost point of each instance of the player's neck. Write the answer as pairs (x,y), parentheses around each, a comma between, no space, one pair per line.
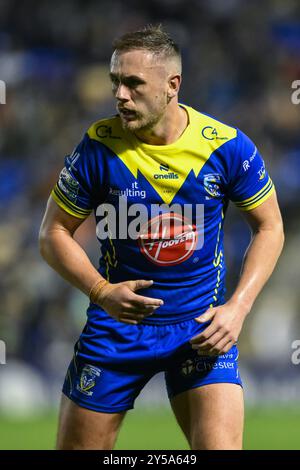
(168,130)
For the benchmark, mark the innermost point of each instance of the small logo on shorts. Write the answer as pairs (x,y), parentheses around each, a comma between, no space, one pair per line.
(88,379)
(187,367)
(205,364)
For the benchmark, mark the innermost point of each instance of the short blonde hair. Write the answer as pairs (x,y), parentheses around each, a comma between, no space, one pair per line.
(150,38)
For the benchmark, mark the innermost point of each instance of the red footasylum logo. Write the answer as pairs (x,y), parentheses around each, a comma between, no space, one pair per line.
(168,239)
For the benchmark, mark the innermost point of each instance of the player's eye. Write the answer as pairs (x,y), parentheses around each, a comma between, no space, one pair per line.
(132,83)
(114,81)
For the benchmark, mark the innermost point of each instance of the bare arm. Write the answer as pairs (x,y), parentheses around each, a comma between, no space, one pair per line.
(263,252)
(62,252)
(259,262)
(65,255)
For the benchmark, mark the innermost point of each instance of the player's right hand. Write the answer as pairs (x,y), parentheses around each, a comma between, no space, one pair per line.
(122,303)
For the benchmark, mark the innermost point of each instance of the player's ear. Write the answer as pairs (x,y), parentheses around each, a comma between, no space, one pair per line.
(174,85)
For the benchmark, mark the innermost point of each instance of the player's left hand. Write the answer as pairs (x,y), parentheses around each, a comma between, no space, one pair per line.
(222,333)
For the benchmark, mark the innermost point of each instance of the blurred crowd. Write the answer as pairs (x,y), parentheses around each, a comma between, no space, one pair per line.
(239,61)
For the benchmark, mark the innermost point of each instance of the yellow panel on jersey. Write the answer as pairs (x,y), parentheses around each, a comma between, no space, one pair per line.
(190,152)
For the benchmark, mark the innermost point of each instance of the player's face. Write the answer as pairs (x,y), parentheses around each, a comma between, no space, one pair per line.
(140,86)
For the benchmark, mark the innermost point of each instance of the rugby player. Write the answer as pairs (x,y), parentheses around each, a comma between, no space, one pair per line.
(157,299)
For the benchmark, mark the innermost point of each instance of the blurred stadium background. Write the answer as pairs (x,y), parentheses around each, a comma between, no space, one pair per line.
(240,59)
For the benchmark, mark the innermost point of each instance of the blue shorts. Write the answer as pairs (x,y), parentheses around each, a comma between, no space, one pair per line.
(113,363)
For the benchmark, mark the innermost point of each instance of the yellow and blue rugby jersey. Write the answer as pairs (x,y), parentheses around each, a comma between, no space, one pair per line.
(210,164)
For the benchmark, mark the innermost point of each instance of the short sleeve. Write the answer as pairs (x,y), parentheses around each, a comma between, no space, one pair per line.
(249,182)
(75,189)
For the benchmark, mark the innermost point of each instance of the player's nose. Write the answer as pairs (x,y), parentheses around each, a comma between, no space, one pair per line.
(122,93)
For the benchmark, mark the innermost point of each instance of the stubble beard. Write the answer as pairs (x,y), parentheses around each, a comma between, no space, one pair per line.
(142,124)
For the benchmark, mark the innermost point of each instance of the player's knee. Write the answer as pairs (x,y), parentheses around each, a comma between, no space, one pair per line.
(216,442)
(104,442)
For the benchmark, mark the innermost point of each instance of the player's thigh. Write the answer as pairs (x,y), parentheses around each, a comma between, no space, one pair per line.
(82,428)
(211,416)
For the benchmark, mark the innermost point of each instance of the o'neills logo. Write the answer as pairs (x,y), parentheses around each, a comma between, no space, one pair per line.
(168,239)
(167,176)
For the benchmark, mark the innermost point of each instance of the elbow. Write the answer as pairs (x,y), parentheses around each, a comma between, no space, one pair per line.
(43,242)
(282,236)
(275,234)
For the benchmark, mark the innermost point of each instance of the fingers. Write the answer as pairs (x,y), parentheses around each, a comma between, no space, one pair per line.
(140,301)
(218,343)
(221,347)
(135,315)
(139,314)
(126,306)
(138,284)
(209,343)
(207,316)
(205,335)
(128,321)
(147,310)
(130,318)
(217,338)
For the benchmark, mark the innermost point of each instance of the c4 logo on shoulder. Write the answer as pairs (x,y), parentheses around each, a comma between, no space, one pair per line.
(210,133)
